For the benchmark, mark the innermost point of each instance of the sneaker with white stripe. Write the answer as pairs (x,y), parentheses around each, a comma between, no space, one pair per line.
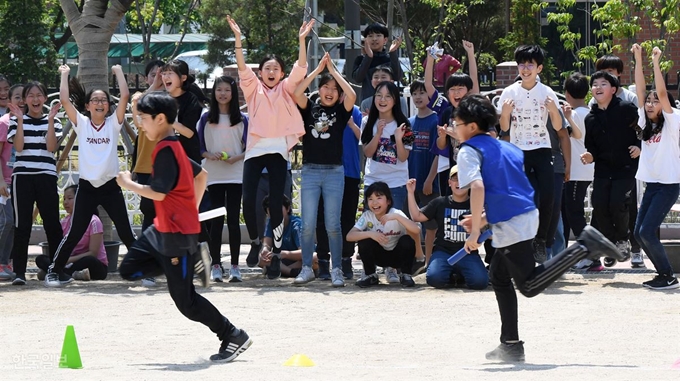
(232,346)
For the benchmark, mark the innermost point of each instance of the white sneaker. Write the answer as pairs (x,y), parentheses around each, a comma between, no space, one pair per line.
(583,264)
(235,275)
(391,275)
(216,273)
(305,276)
(83,275)
(337,278)
(636,261)
(149,282)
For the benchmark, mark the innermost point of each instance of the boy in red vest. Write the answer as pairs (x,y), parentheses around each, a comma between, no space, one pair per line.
(170,245)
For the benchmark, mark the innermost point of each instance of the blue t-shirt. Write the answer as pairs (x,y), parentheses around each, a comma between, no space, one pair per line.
(421,157)
(291,234)
(350,148)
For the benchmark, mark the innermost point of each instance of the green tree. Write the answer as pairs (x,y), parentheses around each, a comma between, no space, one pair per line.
(526,27)
(26,52)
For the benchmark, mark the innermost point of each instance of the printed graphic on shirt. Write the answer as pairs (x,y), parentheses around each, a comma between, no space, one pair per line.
(526,121)
(452,231)
(323,123)
(656,138)
(386,152)
(422,141)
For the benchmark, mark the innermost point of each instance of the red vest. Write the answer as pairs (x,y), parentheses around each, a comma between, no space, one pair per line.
(177,213)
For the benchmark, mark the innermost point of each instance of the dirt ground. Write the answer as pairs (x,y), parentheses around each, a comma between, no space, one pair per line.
(585,327)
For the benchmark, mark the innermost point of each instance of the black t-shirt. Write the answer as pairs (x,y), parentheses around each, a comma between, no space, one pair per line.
(324,128)
(450,236)
(166,170)
(188,113)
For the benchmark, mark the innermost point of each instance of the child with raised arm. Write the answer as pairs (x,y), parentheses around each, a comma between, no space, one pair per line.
(170,245)
(323,173)
(659,168)
(275,127)
(375,54)
(502,196)
(526,107)
(98,132)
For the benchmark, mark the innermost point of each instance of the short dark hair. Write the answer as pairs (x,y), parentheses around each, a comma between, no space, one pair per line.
(417,84)
(5,79)
(158,102)
(528,53)
(376,28)
(384,68)
(458,79)
(151,65)
(380,188)
(274,57)
(577,85)
(609,62)
(327,77)
(607,76)
(285,203)
(476,108)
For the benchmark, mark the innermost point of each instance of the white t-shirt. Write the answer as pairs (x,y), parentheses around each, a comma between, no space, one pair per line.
(385,166)
(393,229)
(222,137)
(265,146)
(529,118)
(624,95)
(580,171)
(97,149)
(660,156)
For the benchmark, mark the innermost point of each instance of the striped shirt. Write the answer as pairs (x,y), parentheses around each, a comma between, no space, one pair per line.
(35,158)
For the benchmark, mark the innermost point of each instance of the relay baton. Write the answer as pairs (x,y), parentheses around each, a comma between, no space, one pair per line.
(210,214)
(461,253)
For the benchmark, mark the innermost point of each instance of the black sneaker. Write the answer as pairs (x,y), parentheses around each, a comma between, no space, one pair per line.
(418,267)
(274,268)
(232,346)
(253,255)
(324,270)
(57,279)
(508,352)
(347,270)
(368,281)
(609,262)
(406,280)
(19,280)
(540,252)
(598,245)
(202,261)
(663,282)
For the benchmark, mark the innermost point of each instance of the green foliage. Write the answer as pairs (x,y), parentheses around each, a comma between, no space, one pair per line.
(526,27)
(27,54)
(268,26)
(170,12)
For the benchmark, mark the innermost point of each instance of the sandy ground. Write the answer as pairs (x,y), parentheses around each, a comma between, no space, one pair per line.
(586,327)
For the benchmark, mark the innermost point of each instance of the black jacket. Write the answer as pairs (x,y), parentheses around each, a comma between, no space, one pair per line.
(609,133)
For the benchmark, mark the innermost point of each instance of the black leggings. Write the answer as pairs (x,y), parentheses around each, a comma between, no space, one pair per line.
(110,197)
(539,170)
(401,257)
(146,205)
(229,195)
(26,190)
(348,214)
(252,169)
(98,270)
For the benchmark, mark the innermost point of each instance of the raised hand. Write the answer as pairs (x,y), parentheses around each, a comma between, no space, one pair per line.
(54,110)
(399,132)
(64,69)
(115,69)
(368,50)
(411,185)
(441,130)
(15,111)
(566,109)
(469,47)
(234,27)
(306,28)
(508,106)
(656,54)
(637,51)
(396,43)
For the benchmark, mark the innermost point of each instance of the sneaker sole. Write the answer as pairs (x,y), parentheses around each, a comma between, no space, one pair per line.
(241,349)
(671,287)
(235,280)
(18,282)
(598,245)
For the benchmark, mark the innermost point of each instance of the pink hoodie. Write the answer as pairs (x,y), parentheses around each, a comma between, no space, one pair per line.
(273,112)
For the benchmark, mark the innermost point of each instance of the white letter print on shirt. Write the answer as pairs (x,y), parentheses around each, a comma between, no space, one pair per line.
(452,231)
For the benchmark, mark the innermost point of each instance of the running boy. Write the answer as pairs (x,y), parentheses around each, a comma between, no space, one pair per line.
(176,186)
(374,55)
(526,106)
(494,172)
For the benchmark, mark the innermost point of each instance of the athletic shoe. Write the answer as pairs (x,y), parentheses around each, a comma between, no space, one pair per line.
(324,269)
(19,281)
(6,272)
(149,282)
(337,278)
(83,275)
(235,275)
(598,245)
(540,251)
(507,352)
(406,281)
(274,268)
(57,280)
(202,263)
(368,281)
(583,264)
(347,270)
(609,262)
(232,346)
(418,267)
(216,273)
(596,266)
(391,275)
(306,275)
(636,261)
(253,255)
(663,282)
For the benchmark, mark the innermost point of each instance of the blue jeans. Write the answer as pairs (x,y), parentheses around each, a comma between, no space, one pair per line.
(6,231)
(470,267)
(656,203)
(329,181)
(560,244)
(398,197)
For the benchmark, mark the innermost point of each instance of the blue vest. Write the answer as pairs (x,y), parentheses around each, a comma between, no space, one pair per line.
(507,191)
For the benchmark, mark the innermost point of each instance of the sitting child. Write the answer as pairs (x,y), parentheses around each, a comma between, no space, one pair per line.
(88,260)
(445,211)
(384,236)
(291,248)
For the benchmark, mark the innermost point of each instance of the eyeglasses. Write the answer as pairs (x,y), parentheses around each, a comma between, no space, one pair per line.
(99,101)
(454,125)
(652,103)
(526,66)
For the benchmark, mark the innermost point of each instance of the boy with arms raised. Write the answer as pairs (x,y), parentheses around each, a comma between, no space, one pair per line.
(374,55)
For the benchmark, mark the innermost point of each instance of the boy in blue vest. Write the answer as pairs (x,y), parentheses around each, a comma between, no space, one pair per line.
(170,245)
(502,196)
